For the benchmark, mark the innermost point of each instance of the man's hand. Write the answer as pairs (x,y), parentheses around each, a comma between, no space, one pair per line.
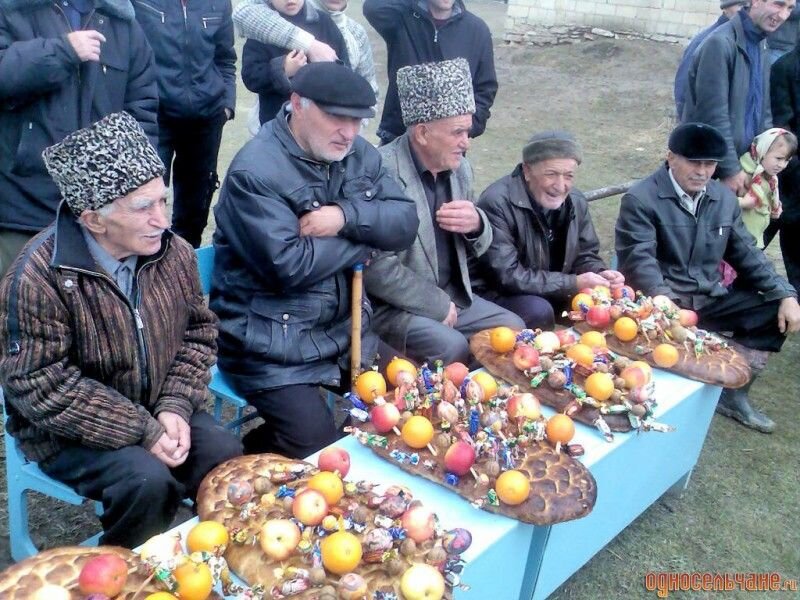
(747,201)
(325,222)
(589,280)
(164,450)
(738,183)
(178,431)
(458,216)
(293,61)
(789,315)
(615,279)
(86,44)
(452,316)
(321,52)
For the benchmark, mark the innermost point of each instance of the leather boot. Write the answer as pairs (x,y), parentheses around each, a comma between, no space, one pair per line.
(736,405)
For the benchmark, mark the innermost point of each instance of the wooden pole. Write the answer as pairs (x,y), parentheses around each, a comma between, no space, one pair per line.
(611,190)
(355,338)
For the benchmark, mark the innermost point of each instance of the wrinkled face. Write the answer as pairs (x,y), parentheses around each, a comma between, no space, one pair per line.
(777,157)
(287,7)
(325,137)
(550,181)
(691,175)
(335,5)
(135,223)
(441,144)
(440,8)
(768,15)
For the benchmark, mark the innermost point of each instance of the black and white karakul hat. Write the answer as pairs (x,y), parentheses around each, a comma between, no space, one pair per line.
(435,90)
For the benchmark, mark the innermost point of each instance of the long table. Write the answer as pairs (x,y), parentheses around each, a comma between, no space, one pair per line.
(509,559)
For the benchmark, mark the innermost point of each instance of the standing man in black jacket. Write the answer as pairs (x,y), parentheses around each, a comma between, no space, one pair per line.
(196,69)
(424,31)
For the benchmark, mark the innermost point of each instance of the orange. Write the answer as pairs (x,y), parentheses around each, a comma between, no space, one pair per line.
(399,364)
(594,339)
(207,536)
(625,329)
(581,354)
(369,385)
(194,581)
(502,339)
(417,432)
(582,299)
(599,386)
(665,355)
(329,485)
(488,384)
(161,596)
(341,552)
(512,487)
(560,428)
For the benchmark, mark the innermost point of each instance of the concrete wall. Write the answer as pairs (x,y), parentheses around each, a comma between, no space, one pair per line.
(674,19)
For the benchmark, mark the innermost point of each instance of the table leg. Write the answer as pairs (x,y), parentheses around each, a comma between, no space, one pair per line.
(535,558)
(681,485)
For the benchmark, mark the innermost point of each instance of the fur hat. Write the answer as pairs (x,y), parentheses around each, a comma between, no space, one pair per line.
(698,141)
(547,145)
(435,90)
(98,164)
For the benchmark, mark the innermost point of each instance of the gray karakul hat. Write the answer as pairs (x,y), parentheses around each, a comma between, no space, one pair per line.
(547,145)
(98,164)
(435,90)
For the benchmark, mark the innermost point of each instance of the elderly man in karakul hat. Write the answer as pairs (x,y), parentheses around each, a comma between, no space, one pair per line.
(107,342)
(423,298)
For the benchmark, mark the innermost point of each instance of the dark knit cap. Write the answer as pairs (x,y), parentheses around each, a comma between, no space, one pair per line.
(336,89)
(547,145)
(698,141)
(98,164)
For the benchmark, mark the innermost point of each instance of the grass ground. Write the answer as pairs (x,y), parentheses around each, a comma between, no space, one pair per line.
(740,513)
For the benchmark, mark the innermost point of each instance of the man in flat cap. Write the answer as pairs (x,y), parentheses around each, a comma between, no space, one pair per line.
(106,341)
(545,247)
(303,202)
(673,230)
(424,303)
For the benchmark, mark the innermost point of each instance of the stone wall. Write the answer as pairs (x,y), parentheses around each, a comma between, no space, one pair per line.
(671,20)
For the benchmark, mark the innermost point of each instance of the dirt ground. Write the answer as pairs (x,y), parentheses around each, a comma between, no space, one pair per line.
(740,513)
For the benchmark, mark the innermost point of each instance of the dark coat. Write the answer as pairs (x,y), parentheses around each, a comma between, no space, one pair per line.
(47,93)
(284,300)
(194,54)
(717,92)
(72,363)
(412,39)
(785,95)
(682,74)
(786,36)
(663,249)
(262,64)
(518,261)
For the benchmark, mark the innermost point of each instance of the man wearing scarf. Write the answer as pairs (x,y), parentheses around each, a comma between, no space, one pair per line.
(729,83)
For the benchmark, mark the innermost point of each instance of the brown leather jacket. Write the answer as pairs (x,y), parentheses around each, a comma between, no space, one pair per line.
(75,367)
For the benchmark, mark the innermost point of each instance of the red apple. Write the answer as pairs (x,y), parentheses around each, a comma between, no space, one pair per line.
(278,538)
(566,337)
(524,406)
(103,574)
(625,291)
(384,417)
(335,460)
(419,523)
(309,507)
(525,357)
(687,318)
(598,317)
(586,291)
(456,372)
(459,458)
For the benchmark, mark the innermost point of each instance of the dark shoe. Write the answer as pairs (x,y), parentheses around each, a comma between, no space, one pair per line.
(736,405)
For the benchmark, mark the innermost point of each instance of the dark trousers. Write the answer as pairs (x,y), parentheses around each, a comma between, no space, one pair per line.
(140,494)
(753,321)
(189,149)
(537,312)
(790,247)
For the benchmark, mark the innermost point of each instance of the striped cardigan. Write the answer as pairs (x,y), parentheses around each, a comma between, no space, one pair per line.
(73,365)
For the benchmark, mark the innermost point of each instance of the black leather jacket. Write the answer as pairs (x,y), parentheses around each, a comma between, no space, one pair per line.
(284,300)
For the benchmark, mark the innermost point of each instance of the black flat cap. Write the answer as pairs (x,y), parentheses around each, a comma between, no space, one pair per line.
(336,89)
(697,141)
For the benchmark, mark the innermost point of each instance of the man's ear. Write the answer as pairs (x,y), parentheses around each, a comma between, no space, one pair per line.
(419,134)
(295,101)
(93,221)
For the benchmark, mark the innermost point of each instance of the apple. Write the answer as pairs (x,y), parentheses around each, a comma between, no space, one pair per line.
(546,342)
(334,460)
(586,290)
(662,303)
(418,522)
(447,412)
(524,406)
(598,317)
(310,507)
(566,337)
(103,574)
(422,582)
(525,357)
(625,291)
(456,372)
(687,318)
(459,458)
(279,538)
(161,548)
(51,591)
(384,417)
